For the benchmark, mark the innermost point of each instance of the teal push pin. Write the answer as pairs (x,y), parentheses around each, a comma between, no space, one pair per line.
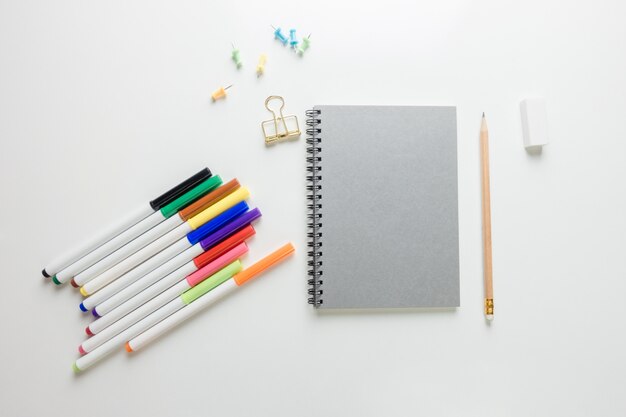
(235,56)
(304,45)
(279,35)
(293,42)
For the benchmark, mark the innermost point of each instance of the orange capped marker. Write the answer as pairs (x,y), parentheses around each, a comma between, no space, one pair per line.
(198,298)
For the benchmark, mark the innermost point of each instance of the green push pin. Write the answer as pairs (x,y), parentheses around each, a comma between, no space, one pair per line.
(304,45)
(235,56)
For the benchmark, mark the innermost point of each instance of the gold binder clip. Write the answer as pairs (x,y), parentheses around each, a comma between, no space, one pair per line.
(278,128)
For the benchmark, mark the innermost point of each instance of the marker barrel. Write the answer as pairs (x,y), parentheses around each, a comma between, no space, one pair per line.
(195,299)
(142,234)
(138,302)
(145,238)
(133,317)
(180,316)
(156,246)
(103,236)
(106,304)
(110,345)
(152,299)
(184,258)
(102,251)
(148,267)
(198,262)
(107,347)
(137,258)
(124,223)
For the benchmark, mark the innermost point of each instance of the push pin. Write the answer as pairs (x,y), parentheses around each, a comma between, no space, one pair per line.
(304,45)
(221,93)
(279,35)
(260,69)
(235,56)
(280,127)
(293,42)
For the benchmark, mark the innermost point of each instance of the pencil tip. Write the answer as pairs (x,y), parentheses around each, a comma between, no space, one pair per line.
(483,115)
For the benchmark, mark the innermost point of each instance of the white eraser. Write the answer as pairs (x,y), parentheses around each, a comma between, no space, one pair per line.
(534,122)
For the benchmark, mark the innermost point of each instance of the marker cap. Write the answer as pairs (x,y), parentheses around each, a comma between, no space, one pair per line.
(227,202)
(230,228)
(217,223)
(270,260)
(213,281)
(201,274)
(209,199)
(224,246)
(180,189)
(190,196)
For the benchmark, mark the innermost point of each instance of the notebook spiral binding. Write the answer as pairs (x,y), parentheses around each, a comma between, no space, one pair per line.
(314,204)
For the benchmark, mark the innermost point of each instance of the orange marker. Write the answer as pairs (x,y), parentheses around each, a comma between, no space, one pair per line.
(220,93)
(196,298)
(271,259)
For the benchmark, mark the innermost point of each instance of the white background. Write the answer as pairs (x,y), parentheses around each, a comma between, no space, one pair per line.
(103,105)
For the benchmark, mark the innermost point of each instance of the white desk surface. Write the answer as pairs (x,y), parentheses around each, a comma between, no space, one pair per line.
(105,104)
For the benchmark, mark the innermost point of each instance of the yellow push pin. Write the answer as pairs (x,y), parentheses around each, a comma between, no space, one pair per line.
(260,69)
(221,93)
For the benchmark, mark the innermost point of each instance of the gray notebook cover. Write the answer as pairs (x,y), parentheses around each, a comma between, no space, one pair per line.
(389,207)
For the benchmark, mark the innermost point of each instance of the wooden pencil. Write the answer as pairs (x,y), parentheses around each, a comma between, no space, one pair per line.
(486,203)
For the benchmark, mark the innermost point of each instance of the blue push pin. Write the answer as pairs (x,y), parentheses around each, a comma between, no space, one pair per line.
(293,42)
(279,35)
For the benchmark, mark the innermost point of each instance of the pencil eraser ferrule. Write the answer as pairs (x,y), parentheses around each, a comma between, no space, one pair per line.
(534,122)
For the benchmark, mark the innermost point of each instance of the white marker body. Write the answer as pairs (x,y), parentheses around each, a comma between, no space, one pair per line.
(134,274)
(110,345)
(136,257)
(132,318)
(103,236)
(178,317)
(145,302)
(141,237)
(183,258)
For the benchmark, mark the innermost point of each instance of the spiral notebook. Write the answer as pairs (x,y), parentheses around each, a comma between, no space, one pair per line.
(383,207)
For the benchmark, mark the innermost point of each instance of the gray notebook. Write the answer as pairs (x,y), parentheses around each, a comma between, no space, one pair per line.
(383,207)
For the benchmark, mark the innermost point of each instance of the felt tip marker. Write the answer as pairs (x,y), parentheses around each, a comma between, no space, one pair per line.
(117,341)
(227,222)
(132,282)
(156,299)
(196,300)
(200,261)
(133,238)
(123,223)
(194,208)
(164,241)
